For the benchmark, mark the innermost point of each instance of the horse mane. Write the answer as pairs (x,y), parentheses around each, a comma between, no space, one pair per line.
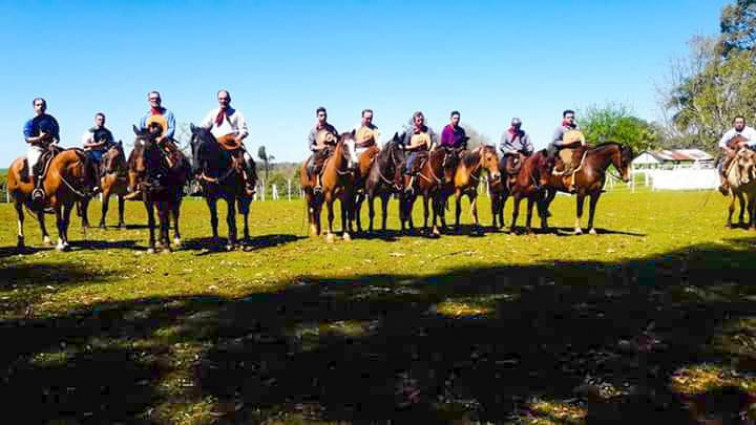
(606,145)
(470,159)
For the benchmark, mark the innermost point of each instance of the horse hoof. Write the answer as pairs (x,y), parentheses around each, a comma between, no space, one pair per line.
(578,231)
(151,250)
(103,227)
(346,237)
(62,247)
(329,238)
(166,250)
(158,245)
(177,242)
(592,231)
(230,247)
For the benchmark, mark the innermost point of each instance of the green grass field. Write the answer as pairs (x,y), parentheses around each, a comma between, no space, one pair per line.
(657,310)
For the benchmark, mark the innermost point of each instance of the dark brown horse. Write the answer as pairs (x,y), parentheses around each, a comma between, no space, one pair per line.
(337,182)
(166,197)
(221,178)
(436,174)
(382,180)
(589,177)
(114,181)
(498,190)
(467,178)
(528,184)
(65,183)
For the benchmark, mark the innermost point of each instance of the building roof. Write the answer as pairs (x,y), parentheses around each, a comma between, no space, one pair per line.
(680,155)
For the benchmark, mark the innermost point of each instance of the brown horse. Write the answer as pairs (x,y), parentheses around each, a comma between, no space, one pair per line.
(436,173)
(338,178)
(114,181)
(589,177)
(498,190)
(383,179)
(467,178)
(741,178)
(167,197)
(528,183)
(365,161)
(64,184)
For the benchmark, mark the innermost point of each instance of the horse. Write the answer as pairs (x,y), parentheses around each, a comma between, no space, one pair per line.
(168,196)
(589,177)
(741,177)
(436,173)
(528,183)
(498,189)
(114,181)
(467,178)
(65,182)
(215,168)
(382,179)
(338,178)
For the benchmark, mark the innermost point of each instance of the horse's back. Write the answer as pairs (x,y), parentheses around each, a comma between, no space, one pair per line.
(16,172)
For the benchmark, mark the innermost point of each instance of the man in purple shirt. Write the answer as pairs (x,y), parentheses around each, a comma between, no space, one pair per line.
(453,136)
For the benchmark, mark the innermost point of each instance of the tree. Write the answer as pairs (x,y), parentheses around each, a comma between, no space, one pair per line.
(614,122)
(707,90)
(266,159)
(738,27)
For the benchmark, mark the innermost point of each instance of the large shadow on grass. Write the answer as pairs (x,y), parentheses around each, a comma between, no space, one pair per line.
(470,344)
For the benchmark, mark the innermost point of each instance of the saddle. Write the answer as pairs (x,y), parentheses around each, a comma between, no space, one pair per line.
(229,142)
(43,164)
(513,163)
(570,160)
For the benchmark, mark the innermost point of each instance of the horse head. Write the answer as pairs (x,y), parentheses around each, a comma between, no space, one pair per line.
(489,160)
(201,142)
(114,159)
(623,161)
(348,149)
(545,166)
(746,163)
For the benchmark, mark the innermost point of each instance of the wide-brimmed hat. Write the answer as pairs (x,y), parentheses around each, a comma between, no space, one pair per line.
(573,136)
(159,120)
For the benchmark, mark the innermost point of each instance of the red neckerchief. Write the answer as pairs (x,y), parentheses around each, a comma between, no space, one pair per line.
(220,117)
(156,111)
(567,124)
(513,131)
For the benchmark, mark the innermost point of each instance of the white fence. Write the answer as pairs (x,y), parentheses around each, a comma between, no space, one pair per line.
(683,179)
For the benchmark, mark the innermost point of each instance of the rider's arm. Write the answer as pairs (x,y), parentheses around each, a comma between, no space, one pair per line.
(556,139)
(527,144)
(171,125)
(241,126)
(207,122)
(312,144)
(725,138)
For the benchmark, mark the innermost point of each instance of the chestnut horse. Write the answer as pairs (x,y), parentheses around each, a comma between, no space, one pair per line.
(338,177)
(168,196)
(215,169)
(467,178)
(64,184)
(114,181)
(382,179)
(590,175)
(498,189)
(529,182)
(436,173)
(741,176)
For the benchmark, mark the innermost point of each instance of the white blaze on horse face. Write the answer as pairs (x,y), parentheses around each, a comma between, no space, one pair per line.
(350,144)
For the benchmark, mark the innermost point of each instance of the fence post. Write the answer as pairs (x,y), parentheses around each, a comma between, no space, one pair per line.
(288,190)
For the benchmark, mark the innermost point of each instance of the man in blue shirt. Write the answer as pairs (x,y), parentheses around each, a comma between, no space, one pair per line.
(39,132)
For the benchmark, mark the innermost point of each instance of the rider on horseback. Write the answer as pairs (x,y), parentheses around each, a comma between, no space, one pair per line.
(41,133)
(564,146)
(97,140)
(418,138)
(739,129)
(161,124)
(453,136)
(230,129)
(321,139)
(366,134)
(514,142)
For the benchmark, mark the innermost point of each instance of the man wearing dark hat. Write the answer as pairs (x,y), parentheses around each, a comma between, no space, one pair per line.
(514,142)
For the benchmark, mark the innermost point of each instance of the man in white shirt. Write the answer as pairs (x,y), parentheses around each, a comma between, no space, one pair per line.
(366,133)
(230,129)
(739,128)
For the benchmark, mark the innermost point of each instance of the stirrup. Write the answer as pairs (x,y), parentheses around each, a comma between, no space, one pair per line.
(37,194)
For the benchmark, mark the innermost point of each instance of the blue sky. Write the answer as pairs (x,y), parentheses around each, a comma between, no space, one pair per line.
(489,59)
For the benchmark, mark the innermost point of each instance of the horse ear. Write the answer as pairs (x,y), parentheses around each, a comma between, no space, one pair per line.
(354,132)
(396,136)
(136,130)
(192,127)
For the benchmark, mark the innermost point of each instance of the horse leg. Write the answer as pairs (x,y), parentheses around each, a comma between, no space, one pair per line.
(164,215)
(751,204)
(384,210)
(329,205)
(212,205)
(529,215)
(426,212)
(121,207)
(592,211)
(457,209)
(473,196)
(731,210)
(347,209)
(357,208)
(231,221)
(494,209)
(61,228)
(45,236)
(542,208)
(501,209)
(244,207)
(83,209)
(371,211)
(515,213)
(580,202)
(20,245)
(741,200)
(150,206)
(105,204)
(176,213)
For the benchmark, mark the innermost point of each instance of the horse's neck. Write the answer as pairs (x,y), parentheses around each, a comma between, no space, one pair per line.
(337,159)
(605,155)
